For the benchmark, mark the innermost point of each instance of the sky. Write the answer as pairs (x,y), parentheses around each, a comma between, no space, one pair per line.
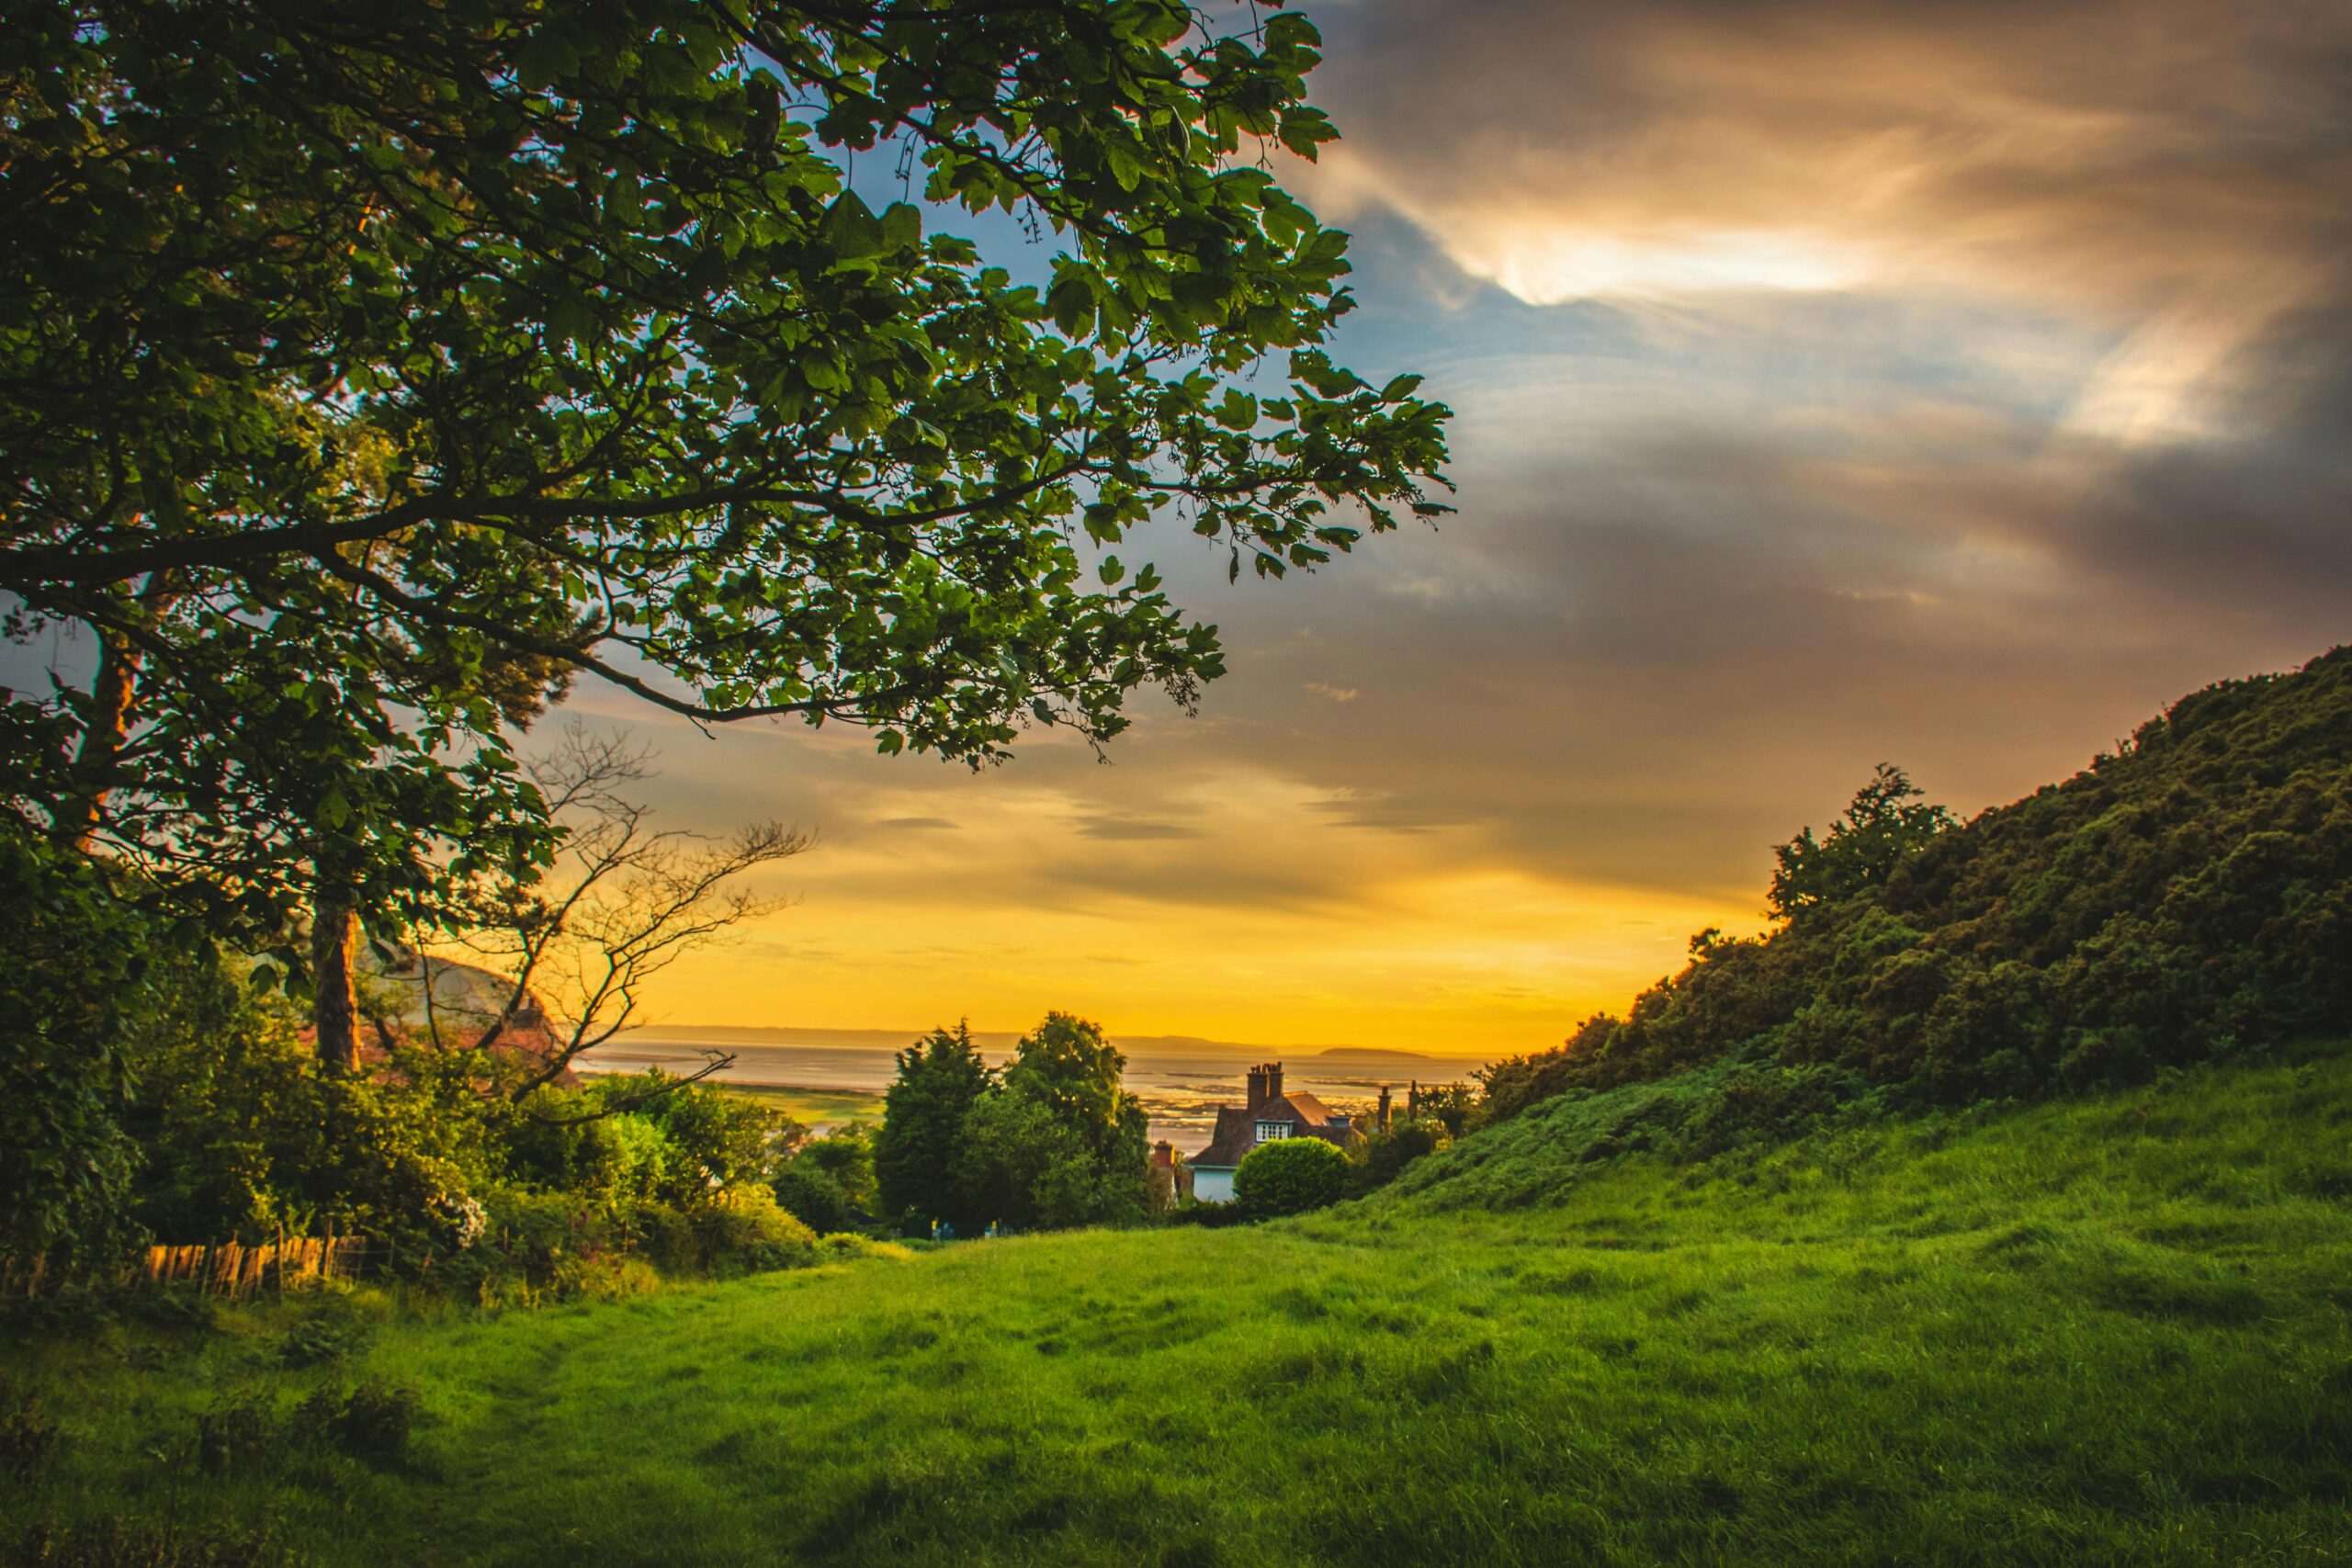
(1947,384)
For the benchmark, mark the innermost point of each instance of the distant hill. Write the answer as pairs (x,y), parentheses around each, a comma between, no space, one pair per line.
(463,996)
(993,1041)
(2189,894)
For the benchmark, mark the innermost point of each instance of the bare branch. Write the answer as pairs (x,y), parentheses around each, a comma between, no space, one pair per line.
(624,901)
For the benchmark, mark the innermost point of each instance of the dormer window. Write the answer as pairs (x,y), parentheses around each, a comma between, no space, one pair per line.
(1268,1131)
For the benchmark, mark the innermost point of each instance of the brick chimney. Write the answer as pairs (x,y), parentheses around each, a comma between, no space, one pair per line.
(1274,1080)
(1163,1155)
(1383,1108)
(1257,1087)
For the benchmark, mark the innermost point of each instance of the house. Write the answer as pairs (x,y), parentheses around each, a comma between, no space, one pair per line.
(1269,1114)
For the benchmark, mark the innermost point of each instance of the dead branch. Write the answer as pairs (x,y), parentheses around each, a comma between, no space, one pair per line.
(624,901)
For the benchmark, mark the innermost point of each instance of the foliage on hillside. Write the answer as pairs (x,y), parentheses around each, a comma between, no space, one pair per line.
(2193,890)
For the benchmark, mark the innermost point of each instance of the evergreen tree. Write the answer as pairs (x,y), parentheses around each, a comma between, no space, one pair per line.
(941,1078)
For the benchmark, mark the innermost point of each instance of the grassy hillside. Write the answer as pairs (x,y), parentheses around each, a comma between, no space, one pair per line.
(2107,1330)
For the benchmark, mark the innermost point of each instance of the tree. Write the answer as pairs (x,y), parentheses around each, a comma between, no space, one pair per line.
(846,1155)
(1880,830)
(828,1178)
(916,1154)
(623,902)
(1061,1142)
(1383,1154)
(1019,1168)
(1450,1105)
(1290,1176)
(358,352)
(1066,1066)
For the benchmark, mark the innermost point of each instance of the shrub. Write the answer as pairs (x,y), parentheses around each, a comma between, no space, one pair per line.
(1383,1157)
(370,1423)
(813,1198)
(1290,1176)
(846,1156)
(26,1434)
(623,1159)
(72,988)
(746,1230)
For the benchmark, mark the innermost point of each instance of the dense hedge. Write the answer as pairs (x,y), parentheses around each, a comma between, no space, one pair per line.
(2192,891)
(1290,1176)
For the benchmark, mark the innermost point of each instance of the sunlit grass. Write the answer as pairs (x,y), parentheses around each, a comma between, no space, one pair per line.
(812,1107)
(2108,1331)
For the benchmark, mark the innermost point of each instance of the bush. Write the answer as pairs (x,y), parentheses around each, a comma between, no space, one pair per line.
(813,1198)
(73,988)
(1384,1156)
(844,1156)
(744,1230)
(1290,1176)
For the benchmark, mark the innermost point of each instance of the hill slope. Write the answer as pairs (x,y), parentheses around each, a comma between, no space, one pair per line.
(2191,891)
(2107,1330)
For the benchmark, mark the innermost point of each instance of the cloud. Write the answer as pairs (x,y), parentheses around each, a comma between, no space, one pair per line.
(1836,383)
(2112,151)
(1134,829)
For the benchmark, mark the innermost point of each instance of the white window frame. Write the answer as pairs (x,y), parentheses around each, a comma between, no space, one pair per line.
(1270,1131)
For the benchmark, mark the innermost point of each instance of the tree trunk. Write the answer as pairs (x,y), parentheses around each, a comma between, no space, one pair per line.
(98,757)
(334,945)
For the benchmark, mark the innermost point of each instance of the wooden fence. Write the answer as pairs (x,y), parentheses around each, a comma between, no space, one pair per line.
(232,1270)
(228,1269)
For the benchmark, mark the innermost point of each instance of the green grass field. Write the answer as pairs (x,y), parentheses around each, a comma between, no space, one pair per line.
(2114,1330)
(813,1107)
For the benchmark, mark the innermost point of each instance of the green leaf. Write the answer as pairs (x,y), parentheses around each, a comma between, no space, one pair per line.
(1303,130)
(852,230)
(1072,301)
(901,226)
(1289,30)
(546,57)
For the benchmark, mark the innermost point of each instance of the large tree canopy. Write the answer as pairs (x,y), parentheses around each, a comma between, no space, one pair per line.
(366,368)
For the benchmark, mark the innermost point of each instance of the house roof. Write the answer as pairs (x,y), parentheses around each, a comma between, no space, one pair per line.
(1236,1128)
(1304,1108)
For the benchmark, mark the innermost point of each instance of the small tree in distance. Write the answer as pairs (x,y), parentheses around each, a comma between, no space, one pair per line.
(1290,1176)
(1883,828)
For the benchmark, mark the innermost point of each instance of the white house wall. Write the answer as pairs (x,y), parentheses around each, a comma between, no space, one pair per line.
(1212,1186)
